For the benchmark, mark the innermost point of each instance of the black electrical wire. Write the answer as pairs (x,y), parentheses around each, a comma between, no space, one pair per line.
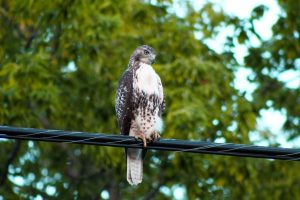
(240,150)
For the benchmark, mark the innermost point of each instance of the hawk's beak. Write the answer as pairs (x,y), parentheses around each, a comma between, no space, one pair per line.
(153,59)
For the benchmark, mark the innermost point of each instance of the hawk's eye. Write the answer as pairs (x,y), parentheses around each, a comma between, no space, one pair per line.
(146,52)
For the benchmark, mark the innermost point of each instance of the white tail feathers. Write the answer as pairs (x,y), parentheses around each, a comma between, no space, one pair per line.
(134,166)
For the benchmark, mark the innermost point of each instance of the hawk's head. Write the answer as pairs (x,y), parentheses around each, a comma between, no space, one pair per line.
(145,54)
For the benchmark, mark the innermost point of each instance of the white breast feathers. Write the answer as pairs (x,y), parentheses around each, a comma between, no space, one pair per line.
(147,79)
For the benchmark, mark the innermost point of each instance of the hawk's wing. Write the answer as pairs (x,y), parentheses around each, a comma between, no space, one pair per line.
(124,102)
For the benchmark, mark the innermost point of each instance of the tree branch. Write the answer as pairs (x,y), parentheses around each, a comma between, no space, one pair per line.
(114,190)
(153,192)
(252,29)
(10,159)
(27,33)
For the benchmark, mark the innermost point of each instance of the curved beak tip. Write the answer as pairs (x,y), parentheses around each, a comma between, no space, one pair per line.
(153,59)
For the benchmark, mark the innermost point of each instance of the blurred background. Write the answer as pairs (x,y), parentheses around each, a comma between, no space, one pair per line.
(230,70)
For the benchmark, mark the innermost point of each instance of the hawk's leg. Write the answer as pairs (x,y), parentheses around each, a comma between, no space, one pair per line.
(141,136)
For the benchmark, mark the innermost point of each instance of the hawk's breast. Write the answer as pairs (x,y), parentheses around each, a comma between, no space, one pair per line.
(147,79)
(148,97)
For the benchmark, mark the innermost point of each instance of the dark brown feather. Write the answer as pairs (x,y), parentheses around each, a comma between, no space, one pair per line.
(124,102)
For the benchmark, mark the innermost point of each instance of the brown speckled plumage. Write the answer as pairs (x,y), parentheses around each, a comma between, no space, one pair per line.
(139,106)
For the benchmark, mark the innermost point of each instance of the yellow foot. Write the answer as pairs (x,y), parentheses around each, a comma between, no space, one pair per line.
(155,136)
(142,137)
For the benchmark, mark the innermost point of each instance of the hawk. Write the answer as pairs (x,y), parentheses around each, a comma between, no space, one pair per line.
(139,106)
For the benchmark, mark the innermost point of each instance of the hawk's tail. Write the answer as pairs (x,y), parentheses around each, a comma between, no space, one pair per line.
(134,166)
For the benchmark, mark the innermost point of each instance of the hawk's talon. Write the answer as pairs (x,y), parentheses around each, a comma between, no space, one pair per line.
(136,138)
(144,140)
(142,137)
(155,136)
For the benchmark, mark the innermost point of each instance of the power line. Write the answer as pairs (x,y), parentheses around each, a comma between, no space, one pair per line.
(61,136)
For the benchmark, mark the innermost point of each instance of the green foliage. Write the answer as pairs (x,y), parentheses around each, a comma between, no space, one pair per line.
(59,66)
(275,57)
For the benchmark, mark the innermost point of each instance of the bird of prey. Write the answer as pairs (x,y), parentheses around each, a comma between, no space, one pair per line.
(139,106)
